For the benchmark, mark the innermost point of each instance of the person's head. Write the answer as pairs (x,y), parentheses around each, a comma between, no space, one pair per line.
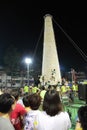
(26,100)
(7,103)
(34,101)
(52,104)
(15,94)
(43,88)
(82,114)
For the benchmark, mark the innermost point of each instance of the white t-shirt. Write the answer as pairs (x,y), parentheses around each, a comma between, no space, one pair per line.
(59,122)
(5,124)
(31,120)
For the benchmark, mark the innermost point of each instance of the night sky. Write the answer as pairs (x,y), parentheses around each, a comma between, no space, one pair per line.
(21,24)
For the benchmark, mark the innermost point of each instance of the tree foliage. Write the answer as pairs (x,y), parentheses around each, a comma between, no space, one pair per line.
(11,59)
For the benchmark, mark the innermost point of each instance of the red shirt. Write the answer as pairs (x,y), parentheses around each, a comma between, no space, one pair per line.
(16,115)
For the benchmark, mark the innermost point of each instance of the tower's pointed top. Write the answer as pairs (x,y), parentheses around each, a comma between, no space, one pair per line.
(47,15)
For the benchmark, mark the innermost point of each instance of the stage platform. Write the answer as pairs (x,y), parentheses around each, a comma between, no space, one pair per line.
(72,109)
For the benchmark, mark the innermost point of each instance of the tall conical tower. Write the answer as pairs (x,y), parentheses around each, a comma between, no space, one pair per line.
(50,63)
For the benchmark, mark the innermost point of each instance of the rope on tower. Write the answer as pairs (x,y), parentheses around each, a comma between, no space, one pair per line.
(74,44)
(37,43)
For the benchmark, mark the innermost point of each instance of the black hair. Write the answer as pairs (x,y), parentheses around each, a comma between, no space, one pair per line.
(6,101)
(34,101)
(52,104)
(26,100)
(82,114)
(15,93)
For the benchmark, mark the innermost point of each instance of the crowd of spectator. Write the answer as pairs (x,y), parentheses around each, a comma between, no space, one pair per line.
(38,108)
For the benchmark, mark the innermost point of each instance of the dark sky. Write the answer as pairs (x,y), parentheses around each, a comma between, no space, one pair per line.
(21,24)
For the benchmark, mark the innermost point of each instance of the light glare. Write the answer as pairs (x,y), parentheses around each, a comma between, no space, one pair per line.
(28,60)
